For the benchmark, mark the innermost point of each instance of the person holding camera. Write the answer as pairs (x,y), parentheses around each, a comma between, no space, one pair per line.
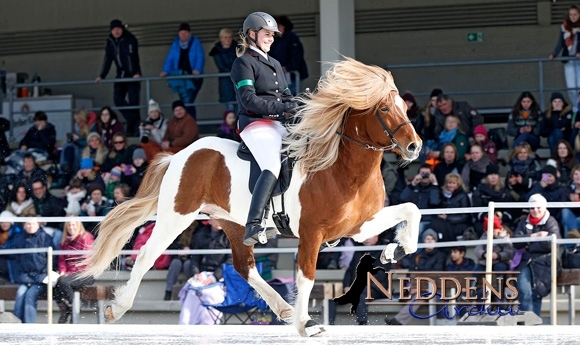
(154,127)
(423,191)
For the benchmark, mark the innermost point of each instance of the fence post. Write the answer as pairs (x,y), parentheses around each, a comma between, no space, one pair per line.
(489,249)
(554,278)
(49,285)
(541,81)
(148,94)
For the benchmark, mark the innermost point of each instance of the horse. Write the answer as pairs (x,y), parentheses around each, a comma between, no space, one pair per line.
(336,189)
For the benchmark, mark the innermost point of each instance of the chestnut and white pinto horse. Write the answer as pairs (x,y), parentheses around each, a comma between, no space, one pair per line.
(336,189)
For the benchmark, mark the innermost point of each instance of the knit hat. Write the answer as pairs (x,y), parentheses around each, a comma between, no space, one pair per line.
(87,163)
(492,169)
(93,134)
(496,223)
(557,95)
(116,23)
(548,169)
(480,129)
(538,200)
(116,172)
(6,214)
(436,93)
(409,97)
(153,106)
(95,186)
(552,162)
(429,232)
(139,153)
(176,104)
(184,27)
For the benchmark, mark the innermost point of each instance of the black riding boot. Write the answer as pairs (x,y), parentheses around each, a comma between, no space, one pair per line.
(260,197)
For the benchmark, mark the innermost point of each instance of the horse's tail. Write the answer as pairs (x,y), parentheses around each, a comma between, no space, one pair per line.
(118,226)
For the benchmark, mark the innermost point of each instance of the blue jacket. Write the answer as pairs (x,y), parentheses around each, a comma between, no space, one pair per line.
(32,266)
(196,56)
(13,268)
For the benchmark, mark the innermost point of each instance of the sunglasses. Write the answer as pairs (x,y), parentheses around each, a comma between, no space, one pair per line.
(118,142)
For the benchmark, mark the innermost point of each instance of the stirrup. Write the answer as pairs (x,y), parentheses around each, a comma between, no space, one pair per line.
(261,236)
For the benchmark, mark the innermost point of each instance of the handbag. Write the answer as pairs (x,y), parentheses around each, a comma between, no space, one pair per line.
(571,257)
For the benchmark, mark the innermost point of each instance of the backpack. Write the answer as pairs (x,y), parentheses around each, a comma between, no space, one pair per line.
(499,137)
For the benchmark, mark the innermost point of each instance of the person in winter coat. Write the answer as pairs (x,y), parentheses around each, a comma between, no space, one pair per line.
(474,169)
(449,163)
(533,259)
(133,173)
(414,113)
(482,138)
(40,136)
(557,121)
(106,125)
(525,120)
(31,270)
(428,259)
(458,261)
(571,216)
(224,54)
(120,154)
(8,229)
(47,205)
(423,191)
(454,195)
(524,169)
(185,57)
(227,129)
(564,159)
(21,203)
(469,117)
(69,265)
(154,126)
(550,188)
(122,48)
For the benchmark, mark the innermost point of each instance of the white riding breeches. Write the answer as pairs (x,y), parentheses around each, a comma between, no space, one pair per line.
(264,139)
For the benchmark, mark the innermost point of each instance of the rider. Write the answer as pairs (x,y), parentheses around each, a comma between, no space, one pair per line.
(264,102)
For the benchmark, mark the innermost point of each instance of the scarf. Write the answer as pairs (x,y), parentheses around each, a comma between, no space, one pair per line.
(534,221)
(447,136)
(520,166)
(184,45)
(570,30)
(17,209)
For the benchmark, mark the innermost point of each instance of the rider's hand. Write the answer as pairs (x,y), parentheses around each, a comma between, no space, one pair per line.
(290,107)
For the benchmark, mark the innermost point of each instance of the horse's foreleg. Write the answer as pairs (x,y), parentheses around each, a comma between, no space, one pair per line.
(243,260)
(408,215)
(167,228)
(307,256)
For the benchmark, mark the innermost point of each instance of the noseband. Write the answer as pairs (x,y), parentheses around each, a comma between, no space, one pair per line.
(388,132)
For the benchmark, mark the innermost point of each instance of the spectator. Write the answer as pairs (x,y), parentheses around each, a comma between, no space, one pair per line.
(185,57)
(47,205)
(429,116)
(69,265)
(455,196)
(107,125)
(123,49)
(525,120)
(350,274)
(75,194)
(224,54)
(482,138)
(182,130)
(4,146)
(569,45)
(550,189)
(452,133)
(96,151)
(134,173)
(70,156)
(475,168)
(393,180)
(289,52)
(112,180)
(414,113)
(144,233)
(121,193)
(30,172)
(449,163)
(41,136)
(571,216)
(523,170)
(31,270)
(120,154)
(423,191)
(534,262)
(564,160)
(557,121)
(95,206)
(87,173)
(458,262)
(428,259)
(21,203)
(8,230)
(502,253)
(469,117)
(227,129)
(492,188)
(154,126)
(179,262)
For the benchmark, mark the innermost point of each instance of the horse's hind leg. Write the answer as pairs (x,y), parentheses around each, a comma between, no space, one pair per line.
(168,226)
(244,263)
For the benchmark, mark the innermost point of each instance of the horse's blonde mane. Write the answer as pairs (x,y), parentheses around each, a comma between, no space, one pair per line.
(348,85)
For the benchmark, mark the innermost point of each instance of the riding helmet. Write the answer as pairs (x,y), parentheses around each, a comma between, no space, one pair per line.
(260,20)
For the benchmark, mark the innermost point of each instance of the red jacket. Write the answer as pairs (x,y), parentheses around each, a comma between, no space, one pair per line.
(68,263)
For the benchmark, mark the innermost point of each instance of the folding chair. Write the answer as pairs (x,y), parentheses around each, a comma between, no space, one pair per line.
(241,301)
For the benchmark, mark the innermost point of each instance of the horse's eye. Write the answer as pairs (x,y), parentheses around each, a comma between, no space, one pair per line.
(384,109)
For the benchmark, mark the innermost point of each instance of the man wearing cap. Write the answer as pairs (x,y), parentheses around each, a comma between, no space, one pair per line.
(123,49)
(185,57)
(182,130)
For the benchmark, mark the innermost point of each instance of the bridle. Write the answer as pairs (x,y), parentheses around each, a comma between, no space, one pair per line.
(388,132)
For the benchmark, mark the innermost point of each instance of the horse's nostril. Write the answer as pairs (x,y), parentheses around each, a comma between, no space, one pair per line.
(412,147)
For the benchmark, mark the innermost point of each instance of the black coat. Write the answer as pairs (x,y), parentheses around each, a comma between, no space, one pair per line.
(424,197)
(261,88)
(44,139)
(224,59)
(204,239)
(424,260)
(468,116)
(125,53)
(50,206)
(459,221)
(288,50)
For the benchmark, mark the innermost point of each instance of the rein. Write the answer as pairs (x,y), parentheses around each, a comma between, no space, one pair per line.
(388,132)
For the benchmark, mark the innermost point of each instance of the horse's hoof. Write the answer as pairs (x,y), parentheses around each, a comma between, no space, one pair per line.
(388,254)
(313,329)
(399,253)
(286,314)
(109,314)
